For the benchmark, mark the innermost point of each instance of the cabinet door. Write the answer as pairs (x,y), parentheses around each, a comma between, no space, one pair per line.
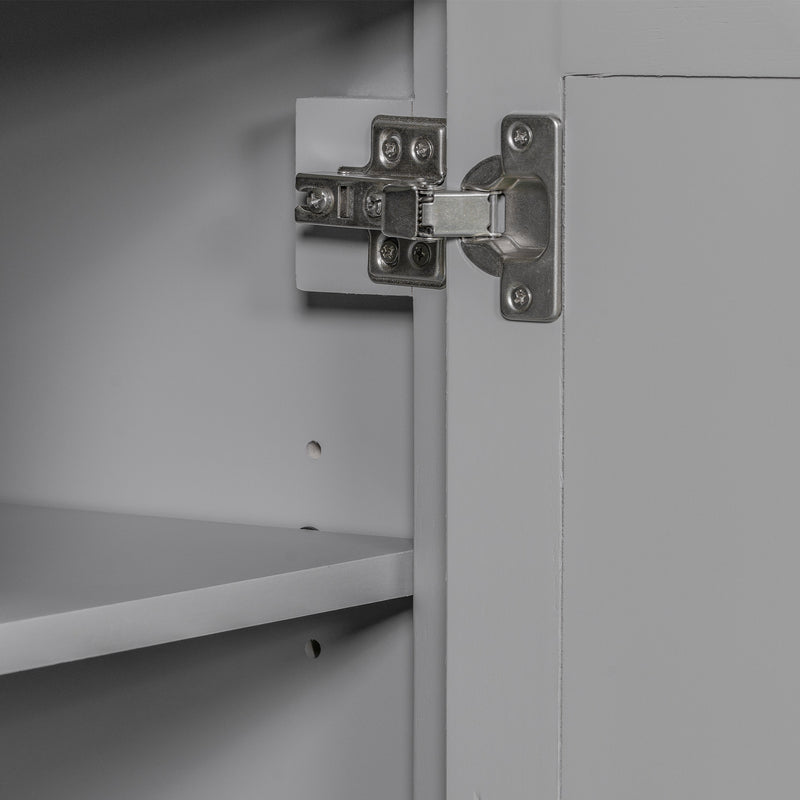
(621,514)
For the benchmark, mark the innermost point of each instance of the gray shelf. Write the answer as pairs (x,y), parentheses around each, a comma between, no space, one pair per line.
(76,584)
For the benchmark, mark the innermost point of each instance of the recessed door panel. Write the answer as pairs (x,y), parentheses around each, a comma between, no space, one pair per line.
(681,650)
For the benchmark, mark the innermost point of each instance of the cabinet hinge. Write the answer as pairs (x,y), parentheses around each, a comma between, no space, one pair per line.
(507,213)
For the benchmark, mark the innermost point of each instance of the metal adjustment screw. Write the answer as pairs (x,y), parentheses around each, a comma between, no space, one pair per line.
(423,149)
(391,148)
(390,252)
(421,254)
(319,200)
(520,298)
(373,204)
(520,136)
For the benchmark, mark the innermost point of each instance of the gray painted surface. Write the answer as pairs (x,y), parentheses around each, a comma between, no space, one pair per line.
(504,404)
(335,131)
(244,715)
(75,584)
(503,446)
(155,354)
(682,384)
(156,357)
(671,37)
(430,372)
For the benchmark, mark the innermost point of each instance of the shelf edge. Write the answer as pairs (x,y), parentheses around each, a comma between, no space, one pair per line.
(86,633)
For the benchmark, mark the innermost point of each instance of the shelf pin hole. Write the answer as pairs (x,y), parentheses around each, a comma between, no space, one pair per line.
(313,450)
(313,648)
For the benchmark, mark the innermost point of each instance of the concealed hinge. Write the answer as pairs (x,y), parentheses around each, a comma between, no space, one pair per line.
(507,214)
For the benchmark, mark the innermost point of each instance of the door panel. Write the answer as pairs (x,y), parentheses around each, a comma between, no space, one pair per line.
(681,654)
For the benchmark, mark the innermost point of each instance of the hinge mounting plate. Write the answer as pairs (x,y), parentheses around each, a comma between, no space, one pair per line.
(405,152)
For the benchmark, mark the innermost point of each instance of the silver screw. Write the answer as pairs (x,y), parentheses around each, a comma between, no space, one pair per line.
(318,200)
(423,149)
(520,298)
(521,136)
(391,148)
(390,252)
(421,254)
(373,204)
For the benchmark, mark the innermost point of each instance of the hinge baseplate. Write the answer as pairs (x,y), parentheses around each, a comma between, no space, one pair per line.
(507,213)
(406,152)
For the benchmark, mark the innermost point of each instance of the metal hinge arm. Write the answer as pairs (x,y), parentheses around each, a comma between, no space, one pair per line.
(398,209)
(413,213)
(341,201)
(463,214)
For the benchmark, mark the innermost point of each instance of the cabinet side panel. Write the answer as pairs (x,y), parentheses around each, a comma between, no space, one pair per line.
(156,356)
(246,715)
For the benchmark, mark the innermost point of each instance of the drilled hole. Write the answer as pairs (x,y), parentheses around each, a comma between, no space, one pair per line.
(314,450)
(313,648)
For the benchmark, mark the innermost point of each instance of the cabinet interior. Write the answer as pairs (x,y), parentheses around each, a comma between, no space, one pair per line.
(160,366)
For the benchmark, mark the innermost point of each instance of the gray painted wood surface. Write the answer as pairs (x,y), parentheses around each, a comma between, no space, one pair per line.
(156,356)
(75,584)
(504,399)
(430,372)
(503,446)
(245,715)
(682,384)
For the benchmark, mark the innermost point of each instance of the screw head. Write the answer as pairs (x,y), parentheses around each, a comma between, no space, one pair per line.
(421,254)
(520,298)
(390,147)
(423,149)
(520,136)
(318,200)
(390,252)
(373,204)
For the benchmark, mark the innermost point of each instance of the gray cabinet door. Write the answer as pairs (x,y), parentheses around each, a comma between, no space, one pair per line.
(621,488)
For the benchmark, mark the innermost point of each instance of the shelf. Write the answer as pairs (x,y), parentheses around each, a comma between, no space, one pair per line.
(76,584)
